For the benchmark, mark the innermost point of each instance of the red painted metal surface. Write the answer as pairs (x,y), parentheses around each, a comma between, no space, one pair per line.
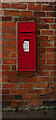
(26,36)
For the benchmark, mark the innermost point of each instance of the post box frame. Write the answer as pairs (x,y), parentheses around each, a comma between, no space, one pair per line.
(17,47)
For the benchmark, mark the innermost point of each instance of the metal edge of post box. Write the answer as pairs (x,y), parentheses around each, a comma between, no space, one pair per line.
(22,34)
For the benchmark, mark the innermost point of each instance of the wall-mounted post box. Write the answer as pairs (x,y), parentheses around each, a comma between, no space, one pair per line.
(26,36)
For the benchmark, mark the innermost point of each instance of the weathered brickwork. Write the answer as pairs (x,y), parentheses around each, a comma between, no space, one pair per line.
(29,88)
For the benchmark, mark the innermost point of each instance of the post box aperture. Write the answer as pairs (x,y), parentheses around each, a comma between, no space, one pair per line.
(26,36)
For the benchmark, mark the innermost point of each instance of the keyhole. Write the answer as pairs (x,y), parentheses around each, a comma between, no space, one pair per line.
(24,55)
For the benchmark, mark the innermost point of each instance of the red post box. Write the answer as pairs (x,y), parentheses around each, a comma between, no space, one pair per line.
(26,36)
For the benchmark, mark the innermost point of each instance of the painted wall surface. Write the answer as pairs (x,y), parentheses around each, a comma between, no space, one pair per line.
(29,88)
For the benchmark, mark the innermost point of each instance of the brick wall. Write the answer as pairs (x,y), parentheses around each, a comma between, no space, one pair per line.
(29,88)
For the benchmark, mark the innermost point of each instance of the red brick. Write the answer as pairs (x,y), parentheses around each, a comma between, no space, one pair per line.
(41,85)
(5,73)
(1,25)
(0,5)
(5,5)
(0,99)
(0,49)
(10,37)
(0,12)
(39,55)
(48,56)
(8,24)
(51,61)
(25,74)
(34,7)
(55,20)
(55,85)
(51,14)
(11,12)
(9,61)
(5,42)
(46,44)
(12,30)
(0,30)
(0,38)
(40,50)
(24,18)
(5,91)
(54,8)
(47,32)
(48,67)
(52,50)
(13,55)
(0,18)
(42,26)
(37,79)
(43,91)
(53,26)
(13,42)
(33,91)
(17,79)
(41,61)
(17,103)
(1,55)
(14,91)
(9,73)
(7,97)
(13,104)
(9,85)
(5,30)
(5,55)
(48,79)
(38,43)
(52,3)
(49,90)
(30,97)
(0,73)
(18,6)
(52,73)
(5,67)
(0,67)
(26,85)
(6,18)
(52,85)
(47,8)
(34,103)
(9,49)
(0,78)
(5,79)
(46,20)
(26,13)
(52,38)
(39,14)
(55,32)
(43,73)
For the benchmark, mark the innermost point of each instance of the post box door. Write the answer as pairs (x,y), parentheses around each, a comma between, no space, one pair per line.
(28,53)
